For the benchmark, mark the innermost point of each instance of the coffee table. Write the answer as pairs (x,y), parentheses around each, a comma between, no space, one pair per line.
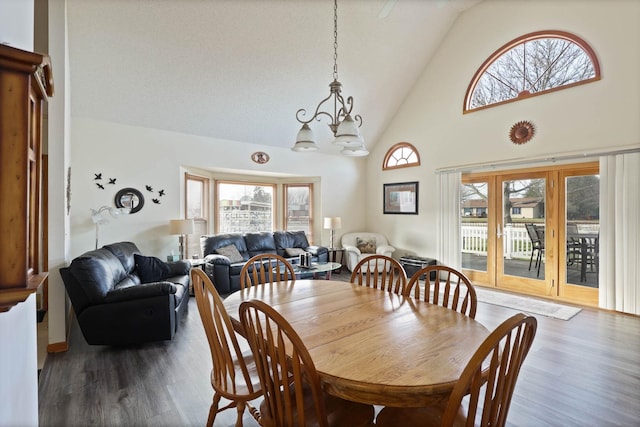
(313,271)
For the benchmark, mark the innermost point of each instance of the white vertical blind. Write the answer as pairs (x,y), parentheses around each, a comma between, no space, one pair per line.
(619,249)
(448,246)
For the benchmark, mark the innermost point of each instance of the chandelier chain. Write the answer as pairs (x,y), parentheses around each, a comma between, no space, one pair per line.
(335,40)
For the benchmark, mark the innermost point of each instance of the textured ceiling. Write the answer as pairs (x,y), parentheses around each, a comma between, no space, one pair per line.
(240,69)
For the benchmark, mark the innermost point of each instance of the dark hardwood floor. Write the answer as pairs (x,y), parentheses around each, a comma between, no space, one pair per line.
(581,372)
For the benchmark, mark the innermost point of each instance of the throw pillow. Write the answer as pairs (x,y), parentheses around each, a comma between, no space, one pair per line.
(151,269)
(230,252)
(291,252)
(366,246)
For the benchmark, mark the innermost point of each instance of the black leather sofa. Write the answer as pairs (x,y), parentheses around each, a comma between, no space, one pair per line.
(121,297)
(225,271)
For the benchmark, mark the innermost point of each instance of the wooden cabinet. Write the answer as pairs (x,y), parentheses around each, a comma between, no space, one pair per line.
(26,82)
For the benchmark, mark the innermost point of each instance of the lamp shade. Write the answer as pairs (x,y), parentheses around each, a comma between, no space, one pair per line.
(332,223)
(181,226)
(305,140)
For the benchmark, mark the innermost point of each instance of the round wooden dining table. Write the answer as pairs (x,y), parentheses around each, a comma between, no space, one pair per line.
(372,346)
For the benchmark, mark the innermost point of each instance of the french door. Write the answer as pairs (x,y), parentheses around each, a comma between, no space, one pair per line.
(533,231)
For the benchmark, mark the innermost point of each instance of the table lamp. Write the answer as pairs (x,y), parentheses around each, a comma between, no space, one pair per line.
(332,223)
(181,227)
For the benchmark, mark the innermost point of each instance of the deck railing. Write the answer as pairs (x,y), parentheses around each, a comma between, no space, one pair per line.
(516,241)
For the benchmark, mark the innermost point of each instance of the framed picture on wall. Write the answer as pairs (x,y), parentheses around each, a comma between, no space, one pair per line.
(401,198)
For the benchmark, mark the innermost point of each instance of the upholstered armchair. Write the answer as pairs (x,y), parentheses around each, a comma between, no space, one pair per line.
(362,244)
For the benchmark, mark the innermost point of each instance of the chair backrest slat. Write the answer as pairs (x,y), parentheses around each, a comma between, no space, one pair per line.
(286,380)
(444,286)
(490,376)
(229,373)
(266,268)
(380,272)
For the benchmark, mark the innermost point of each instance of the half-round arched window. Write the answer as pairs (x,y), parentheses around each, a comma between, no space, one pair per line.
(530,65)
(401,155)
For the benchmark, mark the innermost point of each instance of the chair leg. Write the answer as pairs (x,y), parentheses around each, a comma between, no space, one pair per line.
(240,407)
(531,258)
(539,262)
(213,410)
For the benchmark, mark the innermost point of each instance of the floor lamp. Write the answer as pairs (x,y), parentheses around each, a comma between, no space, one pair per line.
(181,227)
(98,218)
(332,223)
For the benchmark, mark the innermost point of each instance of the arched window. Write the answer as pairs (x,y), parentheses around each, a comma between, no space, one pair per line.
(530,65)
(401,155)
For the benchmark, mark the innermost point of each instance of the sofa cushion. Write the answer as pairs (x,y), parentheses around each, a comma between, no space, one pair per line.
(209,244)
(292,252)
(230,252)
(366,246)
(290,239)
(124,251)
(151,269)
(260,243)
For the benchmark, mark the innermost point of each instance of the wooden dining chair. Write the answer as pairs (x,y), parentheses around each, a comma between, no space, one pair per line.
(444,286)
(266,268)
(482,394)
(293,394)
(234,374)
(380,272)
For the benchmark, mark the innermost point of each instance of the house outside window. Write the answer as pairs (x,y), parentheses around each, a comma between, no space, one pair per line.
(244,207)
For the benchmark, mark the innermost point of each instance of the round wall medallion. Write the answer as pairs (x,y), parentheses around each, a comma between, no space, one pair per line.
(129,198)
(522,132)
(260,157)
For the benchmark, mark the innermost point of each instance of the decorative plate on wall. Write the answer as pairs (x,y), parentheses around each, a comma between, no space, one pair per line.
(522,132)
(260,157)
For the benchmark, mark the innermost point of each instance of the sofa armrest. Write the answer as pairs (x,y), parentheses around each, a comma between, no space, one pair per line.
(385,249)
(144,290)
(217,259)
(321,253)
(353,249)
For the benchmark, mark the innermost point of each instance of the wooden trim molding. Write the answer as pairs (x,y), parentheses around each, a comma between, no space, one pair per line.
(12,296)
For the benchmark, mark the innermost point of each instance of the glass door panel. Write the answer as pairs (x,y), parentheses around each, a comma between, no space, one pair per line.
(523,210)
(474,210)
(474,231)
(581,247)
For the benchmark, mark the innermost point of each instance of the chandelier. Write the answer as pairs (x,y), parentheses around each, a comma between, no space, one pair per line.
(343,125)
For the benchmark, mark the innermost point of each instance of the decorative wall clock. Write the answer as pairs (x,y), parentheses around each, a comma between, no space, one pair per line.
(522,132)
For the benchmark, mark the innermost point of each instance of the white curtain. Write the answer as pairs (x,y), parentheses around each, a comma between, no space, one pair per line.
(449,247)
(619,249)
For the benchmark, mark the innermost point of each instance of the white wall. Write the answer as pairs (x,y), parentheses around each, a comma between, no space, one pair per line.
(16,23)
(18,357)
(588,117)
(137,157)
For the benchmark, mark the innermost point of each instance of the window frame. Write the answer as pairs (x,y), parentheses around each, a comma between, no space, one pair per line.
(390,154)
(521,40)
(204,220)
(285,209)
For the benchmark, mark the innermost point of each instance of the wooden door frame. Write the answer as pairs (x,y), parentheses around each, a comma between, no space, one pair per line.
(555,244)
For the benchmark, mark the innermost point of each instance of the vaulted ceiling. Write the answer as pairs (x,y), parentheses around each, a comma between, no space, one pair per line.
(240,69)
